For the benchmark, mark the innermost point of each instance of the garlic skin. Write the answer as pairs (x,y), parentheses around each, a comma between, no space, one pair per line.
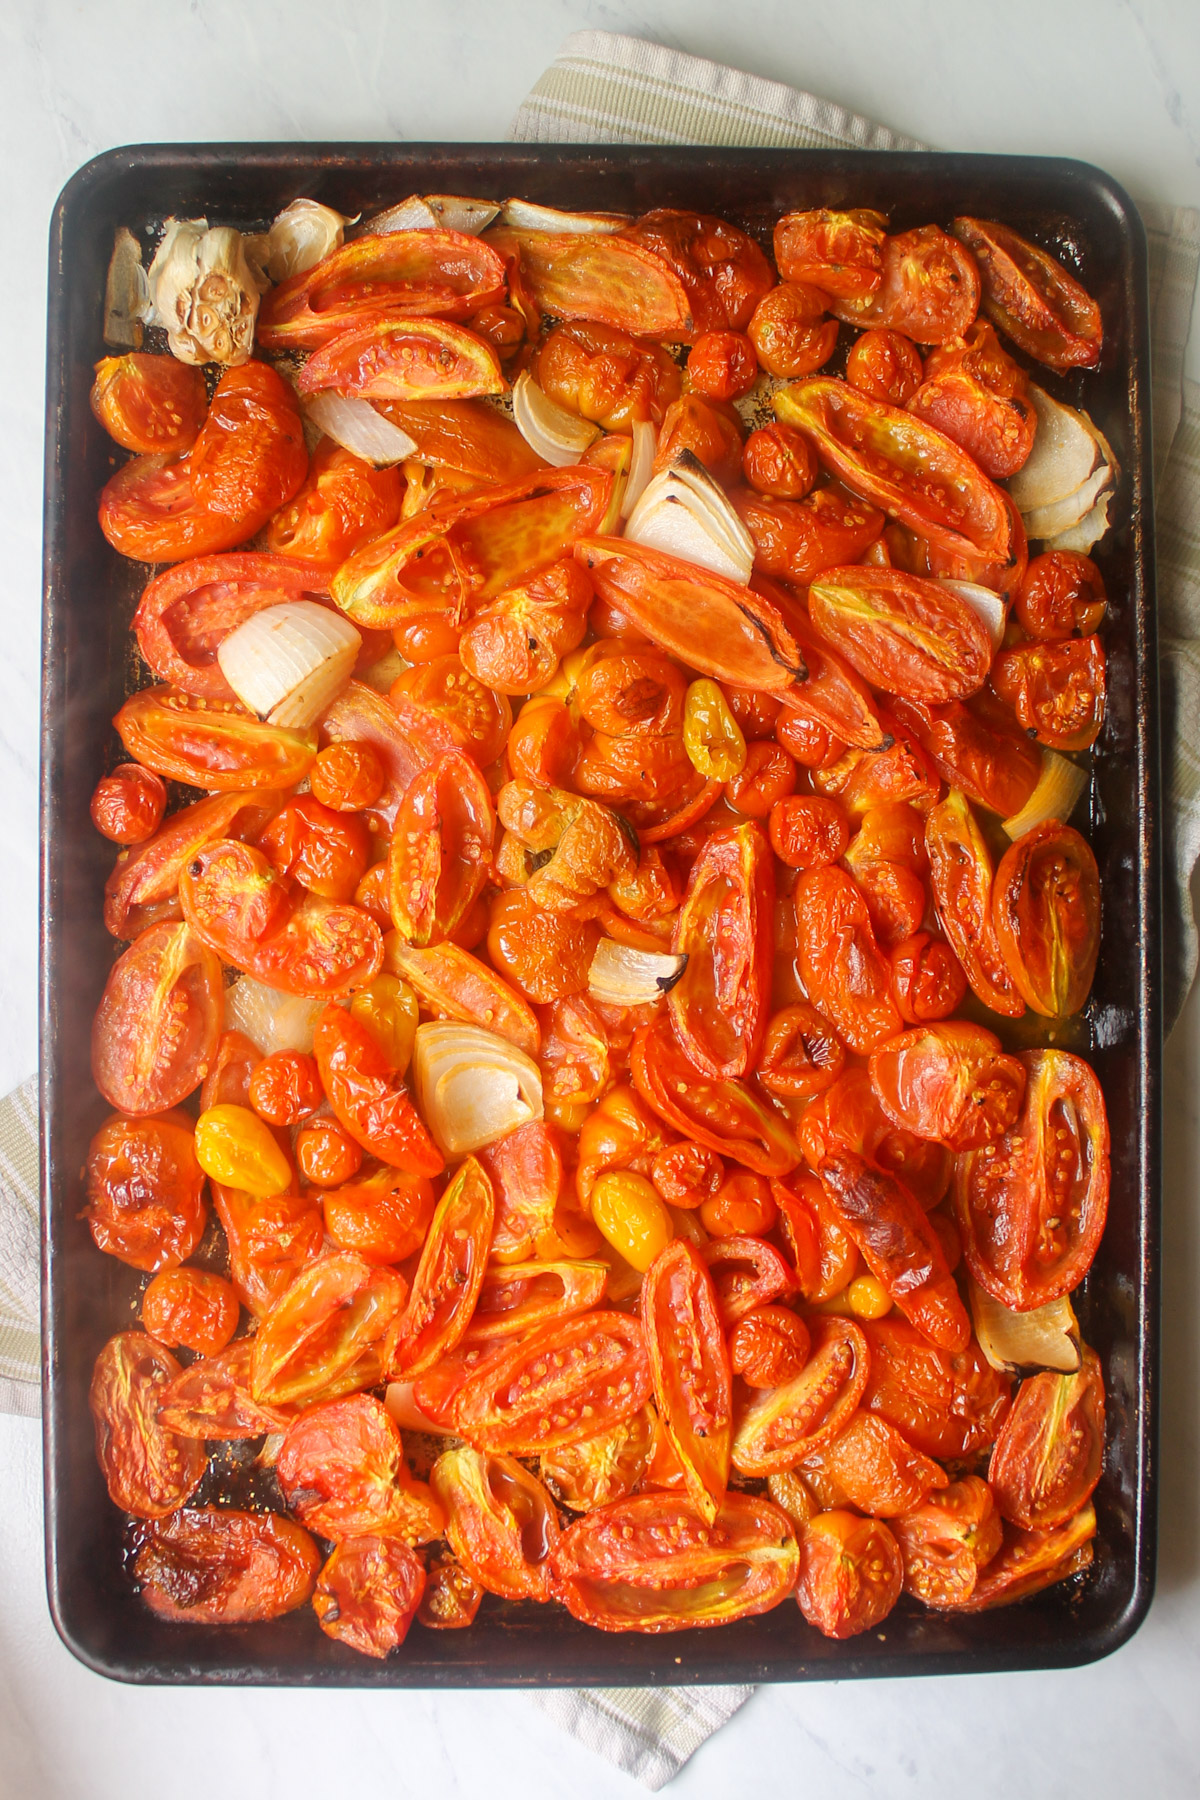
(204,293)
(303,235)
(127,302)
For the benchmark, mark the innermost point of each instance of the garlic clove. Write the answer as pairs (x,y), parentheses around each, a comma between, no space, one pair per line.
(1045,1338)
(127,303)
(303,235)
(272,1020)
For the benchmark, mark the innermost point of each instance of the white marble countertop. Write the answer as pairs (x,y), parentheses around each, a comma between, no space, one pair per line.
(1116,82)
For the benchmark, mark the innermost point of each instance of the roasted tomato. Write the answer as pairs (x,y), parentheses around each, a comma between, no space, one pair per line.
(322,1337)
(711,430)
(723,364)
(791,333)
(801,1054)
(825,1258)
(212,1565)
(718,1006)
(992,765)
(1046,912)
(160,1015)
(500,1521)
(928,981)
(839,252)
(456,985)
(898,1244)
(885,365)
(723,272)
(1029,1561)
(127,806)
(905,634)
(975,393)
(270,1241)
(781,1425)
(808,830)
(343,503)
(895,461)
(928,289)
(1031,297)
(368,1593)
(601,1468)
(558,1385)
(347,777)
(326,1154)
(690,1367)
(844,971)
(779,461)
(1032,1207)
(606,375)
(598,276)
(727,1116)
(449,1275)
(546,955)
(145,1190)
(951,1082)
(848,1116)
(655,1562)
(869,1466)
(1057,690)
(215,746)
(850,1573)
(480,719)
(365,1094)
(747,1273)
(795,539)
(404,359)
(440,850)
(519,1296)
(383,1216)
(769,1346)
(1050,1451)
(150,1471)
(144,885)
(186,612)
(1061,596)
(946,1541)
(340,1468)
(514,644)
(451,1598)
(323,850)
(211,1399)
(154,405)
(946,1403)
(622,1132)
(190,1307)
(960,872)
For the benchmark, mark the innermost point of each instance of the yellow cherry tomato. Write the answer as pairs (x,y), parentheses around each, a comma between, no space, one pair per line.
(712,736)
(388,1010)
(235,1147)
(631,1217)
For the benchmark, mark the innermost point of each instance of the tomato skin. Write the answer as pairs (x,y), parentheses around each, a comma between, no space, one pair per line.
(992,766)
(947,1540)
(950,1082)
(928,981)
(546,955)
(211,1399)
(689,1365)
(1058,690)
(383,1217)
(1031,297)
(324,1331)
(347,777)
(808,830)
(769,1346)
(127,806)
(848,1116)
(718,1006)
(824,1257)
(606,1467)
(441,849)
(687,1174)
(270,1242)
(790,332)
(212,746)
(901,632)
(149,1470)
(960,870)
(1032,1215)
(778,461)
(369,1592)
(500,1522)
(558,1385)
(850,1573)
(1046,912)
(1061,596)
(156,1029)
(449,1275)
(723,272)
(285,1088)
(801,1055)
(898,1244)
(145,1190)
(325,851)
(191,1307)
(515,643)
(841,253)
(339,1468)
(845,972)
(653,1563)
(154,405)
(1049,1455)
(979,397)
(782,1425)
(768,776)
(342,503)
(364,1094)
(212,1565)
(726,1116)
(621,1132)
(885,365)
(606,375)
(795,539)
(948,1404)
(870,1467)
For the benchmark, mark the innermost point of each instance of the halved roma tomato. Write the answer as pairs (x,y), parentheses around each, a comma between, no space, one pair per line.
(960,872)
(518,1296)
(605,278)
(727,1116)
(467,436)
(343,502)
(235,902)
(950,1081)
(869,1466)
(839,252)
(718,1006)
(449,1275)
(404,359)
(653,1562)
(607,375)
(902,465)
(1057,690)
(898,1244)
(270,1241)
(560,1384)
(905,634)
(145,1190)
(850,1573)
(456,985)
(160,1015)
(322,1337)
(1046,912)
(690,1367)
(211,744)
(441,849)
(368,1593)
(326,852)
(211,1399)
(781,1425)
(795,539)
(212,1565)
(500,1521)
(1029,1561)
(602,1468)
(1031,1208)
(435,274)
(368,1099)
(1031,297)
(340,1467)
(977,395)
(946,1541)
(143,888)
(1050,1451)
(747,1273)
(185,612)
(154,405)
(150,1471)
(946,1403)
(845,973)
(992,766)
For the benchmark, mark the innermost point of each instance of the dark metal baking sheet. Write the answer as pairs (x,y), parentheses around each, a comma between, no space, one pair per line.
(89,596)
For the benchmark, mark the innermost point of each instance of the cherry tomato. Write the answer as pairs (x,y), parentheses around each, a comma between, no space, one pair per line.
(947,1540)
(209,745)
(128,805)
(839,252)
(718,1006)
(768,1347)
(482,718)
(1031,297)
(1032,1211)
(895,899)
(929,288)
(322,1337)
(515,643)
(285,1087)
(1050,1451)
(711,430)
(228,1081)
(145,1190)
(808,830)
(747,1272)
(845,973)
(347,777)
(724,273)
(270,1241)
(1046,910)
(950,1081)
(686,1174)
(449,1275)
(885,365)
(768,776)
(778,460)
(898,1244)
(500,1522)
(1056,690)
(368,1593)
(654,1562)
(150,1471)
(326,852)
(928,981)
(850,1573)
(795,539)
(558,1385)
(869,1466)
(690,1369)
(725,1115)
(781,1425)
(364,1094)
(824,1257)
(546,955)
(791,331)
(191,1307)
(606,375)
(339,1468)
(801,1054)
(451,1598)
(1061,596)
(804,738)
(154,405)
(156,1029)
(979,397)
(326,1154)
(960,872)
(212,1565)
(741,1207)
